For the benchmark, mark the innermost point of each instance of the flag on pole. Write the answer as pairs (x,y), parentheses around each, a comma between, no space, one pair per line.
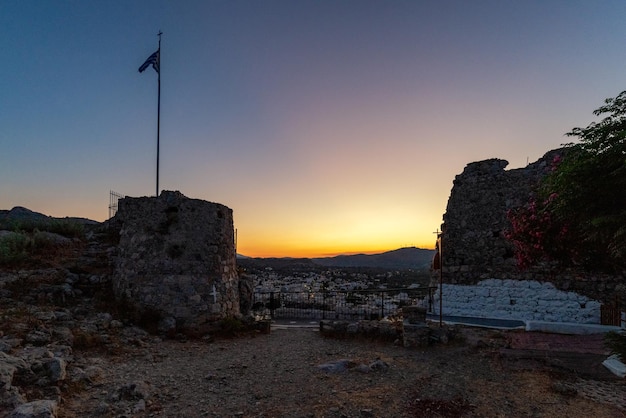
(155,61)
(152,59)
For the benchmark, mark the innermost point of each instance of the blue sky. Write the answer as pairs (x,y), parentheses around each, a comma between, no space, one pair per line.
(327,126)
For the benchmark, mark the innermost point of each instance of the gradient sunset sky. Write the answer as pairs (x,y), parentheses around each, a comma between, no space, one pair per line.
(327,126)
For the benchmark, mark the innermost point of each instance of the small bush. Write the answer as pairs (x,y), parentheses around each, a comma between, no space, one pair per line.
(231,326)
(44,240)
(14,247)
(20,240)
(616,342)
(65,227)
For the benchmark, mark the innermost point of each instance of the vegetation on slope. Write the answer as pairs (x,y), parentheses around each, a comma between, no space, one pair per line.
(577,216)
(25,234)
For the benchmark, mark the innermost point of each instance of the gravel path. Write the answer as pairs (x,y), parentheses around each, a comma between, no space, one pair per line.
(278,375)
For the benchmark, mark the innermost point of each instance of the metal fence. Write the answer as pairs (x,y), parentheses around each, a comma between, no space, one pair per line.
(113,198)
(340,304)
(611,313)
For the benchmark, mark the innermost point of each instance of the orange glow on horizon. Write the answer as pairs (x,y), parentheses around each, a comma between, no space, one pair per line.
(274,251)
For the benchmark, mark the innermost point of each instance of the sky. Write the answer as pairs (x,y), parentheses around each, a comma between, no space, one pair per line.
(327,127)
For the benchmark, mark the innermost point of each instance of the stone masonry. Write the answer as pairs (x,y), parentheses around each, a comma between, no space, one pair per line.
(478,260)
(474,246)
(518,299)
(177,260)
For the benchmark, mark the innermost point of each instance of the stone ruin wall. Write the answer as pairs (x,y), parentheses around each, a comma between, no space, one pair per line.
(525,300)
(177,259)
(475,249)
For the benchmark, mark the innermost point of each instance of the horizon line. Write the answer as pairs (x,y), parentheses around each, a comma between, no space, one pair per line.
(331,255)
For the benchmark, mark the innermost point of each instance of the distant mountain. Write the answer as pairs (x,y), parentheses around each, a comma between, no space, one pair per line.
(403,258)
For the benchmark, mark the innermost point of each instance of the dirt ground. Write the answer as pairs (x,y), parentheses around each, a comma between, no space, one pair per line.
(485,373)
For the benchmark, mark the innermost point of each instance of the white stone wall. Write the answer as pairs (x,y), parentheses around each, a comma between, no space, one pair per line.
(517,299)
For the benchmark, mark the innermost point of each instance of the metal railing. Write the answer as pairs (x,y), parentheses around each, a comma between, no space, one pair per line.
(612,313)
(340,304)
(113,199)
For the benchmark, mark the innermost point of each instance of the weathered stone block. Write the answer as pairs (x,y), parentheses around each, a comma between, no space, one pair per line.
(177,258)
(414,314)
(415,335)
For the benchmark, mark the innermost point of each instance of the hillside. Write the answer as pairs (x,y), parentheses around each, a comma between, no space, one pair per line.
(20,216)
(403,258)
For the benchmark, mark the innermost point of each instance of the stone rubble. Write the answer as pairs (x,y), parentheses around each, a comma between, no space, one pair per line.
(48,314)
(344,365)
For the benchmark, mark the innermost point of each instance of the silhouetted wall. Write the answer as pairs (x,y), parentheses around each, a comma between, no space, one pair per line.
(177,258)
(474,246)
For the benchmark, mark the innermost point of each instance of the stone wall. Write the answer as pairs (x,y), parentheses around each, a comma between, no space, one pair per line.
(523,300)
(474,248)
(177,260)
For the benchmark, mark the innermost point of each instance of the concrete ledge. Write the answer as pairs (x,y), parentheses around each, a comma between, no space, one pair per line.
(616,367)
(496,323)
(570,328)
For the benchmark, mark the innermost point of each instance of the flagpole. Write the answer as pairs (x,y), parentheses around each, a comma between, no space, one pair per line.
(158,115)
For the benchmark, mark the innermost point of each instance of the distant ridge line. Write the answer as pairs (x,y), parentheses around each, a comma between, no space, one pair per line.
(402,258)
